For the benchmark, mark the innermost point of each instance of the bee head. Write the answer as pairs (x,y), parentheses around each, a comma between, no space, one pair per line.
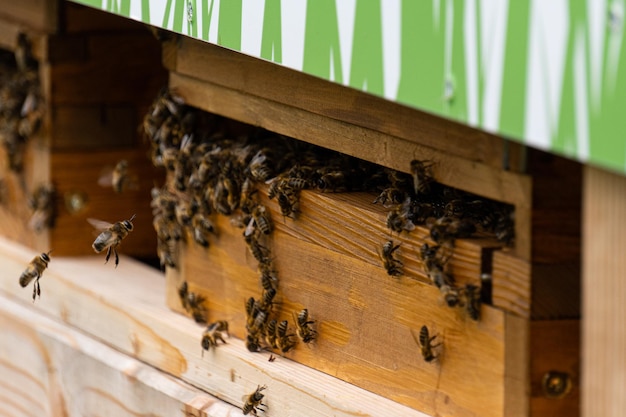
(127,223)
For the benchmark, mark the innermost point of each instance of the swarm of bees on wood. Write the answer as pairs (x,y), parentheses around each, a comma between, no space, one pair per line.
(21,102)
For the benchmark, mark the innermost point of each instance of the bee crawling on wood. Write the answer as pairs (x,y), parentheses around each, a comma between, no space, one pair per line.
(392,265)
(253,402)
(213,334)
(111,236)
(424,341)
(471,296)
(304,327)
(193,303)
(422,176)
(34,270)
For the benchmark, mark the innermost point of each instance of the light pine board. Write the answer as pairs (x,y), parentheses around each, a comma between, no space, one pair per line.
(604,294)
(50,369)
(125,309)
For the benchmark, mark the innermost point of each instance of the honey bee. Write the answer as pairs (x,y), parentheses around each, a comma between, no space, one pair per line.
(111,236)
(270,334)
(260,253)
(390,196)
(23,55)
(424,341)
(253,402)
(213,334)
(472,301)
(34,270)
(252,343)
(392,265)
(267,300)
(304,327)
(202,227)
(43,206)
(332,181)
(119,178)
(259,166)
(262,219)
(446,229)
(422,176)
(398,219)
(192,303)
(434,265)
(284,340)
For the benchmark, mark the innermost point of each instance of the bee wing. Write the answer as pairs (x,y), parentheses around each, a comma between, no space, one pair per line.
(106,177)
(99,224)
(27,276)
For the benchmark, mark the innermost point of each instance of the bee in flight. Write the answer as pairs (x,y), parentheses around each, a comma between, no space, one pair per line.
(111,236)
(119,178)
(34,270)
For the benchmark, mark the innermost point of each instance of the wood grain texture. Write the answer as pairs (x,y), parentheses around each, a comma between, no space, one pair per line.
(350,224)
(125,309)
(51,369)
(274,83)
(604,294)
(511,281)
(365,144)
(327,261)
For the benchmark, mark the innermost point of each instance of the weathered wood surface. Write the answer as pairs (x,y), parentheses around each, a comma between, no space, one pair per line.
(125,309)
(604,294)
(329,264)
(364,143)
(273,83)
(51,369)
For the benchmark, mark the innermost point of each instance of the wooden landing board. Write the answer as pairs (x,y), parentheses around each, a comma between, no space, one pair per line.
(49,369)
(124,308)
(366,144)
(326,260)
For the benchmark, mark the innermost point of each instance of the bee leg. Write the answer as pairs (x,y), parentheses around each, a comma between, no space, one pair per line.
(117,258)
(108,255)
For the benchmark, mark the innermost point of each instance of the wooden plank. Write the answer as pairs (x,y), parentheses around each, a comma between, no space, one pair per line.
(36,14)
(125,309)
(350,224)
(93,126)
(121,68)
(604,294)
(73,235)
(365,144)
(365,322)
(511,281)
(51,369)
(268,81)
(555,348)
(517,363)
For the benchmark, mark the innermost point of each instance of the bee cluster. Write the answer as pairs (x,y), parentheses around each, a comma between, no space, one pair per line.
(21,102)
(213,169)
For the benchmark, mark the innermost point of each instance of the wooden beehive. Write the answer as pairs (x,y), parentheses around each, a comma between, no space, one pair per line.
(98,75)
(327,258)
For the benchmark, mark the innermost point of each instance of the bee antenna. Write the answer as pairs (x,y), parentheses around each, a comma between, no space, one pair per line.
(131,219)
